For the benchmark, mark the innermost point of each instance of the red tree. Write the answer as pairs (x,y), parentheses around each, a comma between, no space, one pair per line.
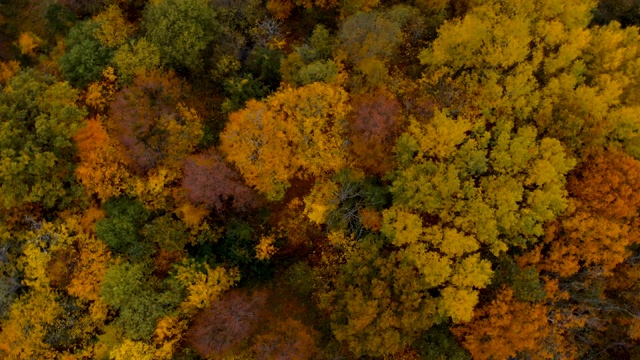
(152,123)
(373,130)
(220,328)
(209,180)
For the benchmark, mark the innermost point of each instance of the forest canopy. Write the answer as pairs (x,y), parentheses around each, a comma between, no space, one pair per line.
(319,179)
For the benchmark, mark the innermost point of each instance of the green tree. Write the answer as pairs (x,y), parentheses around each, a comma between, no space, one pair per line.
(120,229)
(85,57)
(140,299)
(134,57)
(311,61)
(38,118)
(167,232)
(181,29)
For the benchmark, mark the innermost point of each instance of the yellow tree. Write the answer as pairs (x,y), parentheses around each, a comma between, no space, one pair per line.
(295,132)
(113,27)
(33,315)
(534,62)
(499,186)
(382,299)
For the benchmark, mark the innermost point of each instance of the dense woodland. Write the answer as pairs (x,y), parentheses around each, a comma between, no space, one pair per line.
(319,179)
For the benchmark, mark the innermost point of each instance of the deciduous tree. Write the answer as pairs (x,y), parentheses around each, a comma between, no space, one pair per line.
(153,123)
(219,329)
(607,185)
(102,168)
(373,129)
(181,29)
(210,181)
(504,328)
(113,27)
(287,339)
(295,132)
(140,303)
(85,57)
(502,190)
(38,119)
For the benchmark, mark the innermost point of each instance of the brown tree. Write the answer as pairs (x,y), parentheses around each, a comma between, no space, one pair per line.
(152,122)
(220,328)
(373,130)
(210,181)
(287,339)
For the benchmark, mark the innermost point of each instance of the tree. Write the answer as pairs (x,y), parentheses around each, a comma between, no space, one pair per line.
(113,28)
(439,343)
(311,61)
(373,129)
(39,118)
(28,42)
(152,122)
(167,232)
(85,7)
(209,180)
(102,168)
(504,328)
(33,318)
(203,284)
(133,350)
(141,303)
(539,64)
(136,57)
(93,259)
(502,194)
(366,42)
(381,300)
(121,228)
(281,9)
(24,329)
(287,339)
(220,328)
(182,30)
(85,57)
(295,132)
(587,239)
(607,185)
(601,230)
(339,202)
(378,305)
(366,35)
(59,19)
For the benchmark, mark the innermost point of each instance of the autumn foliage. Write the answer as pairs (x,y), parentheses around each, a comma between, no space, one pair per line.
(373,129)
(607,185)
(102,169)
(296,132)
(210,181)
(504,328)
(227,323)
(152,122)
(319,179)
